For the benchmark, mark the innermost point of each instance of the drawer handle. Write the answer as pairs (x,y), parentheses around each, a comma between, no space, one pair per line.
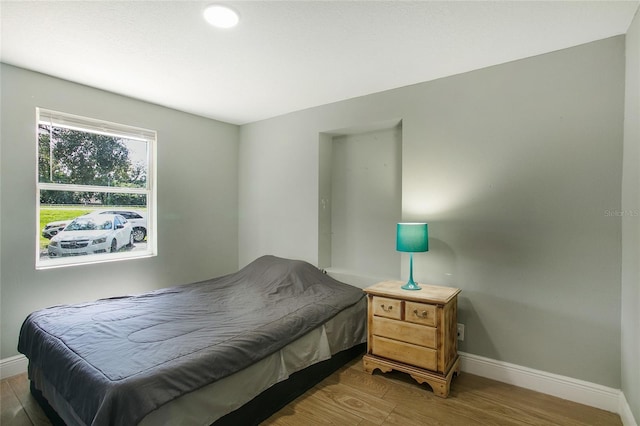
(385,308)
(422,314)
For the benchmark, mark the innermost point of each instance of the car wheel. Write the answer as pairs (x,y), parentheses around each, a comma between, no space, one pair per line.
(114,246)
(130,240)
(139,233)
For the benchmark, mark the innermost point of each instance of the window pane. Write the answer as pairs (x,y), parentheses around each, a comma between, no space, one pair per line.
(85,224)
(83,158)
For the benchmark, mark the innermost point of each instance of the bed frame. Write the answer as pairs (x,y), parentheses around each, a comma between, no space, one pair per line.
(264,405)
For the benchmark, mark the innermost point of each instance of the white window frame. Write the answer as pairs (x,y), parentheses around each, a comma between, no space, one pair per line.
(92,125)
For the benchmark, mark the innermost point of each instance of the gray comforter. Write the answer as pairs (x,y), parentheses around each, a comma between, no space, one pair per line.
(116,360)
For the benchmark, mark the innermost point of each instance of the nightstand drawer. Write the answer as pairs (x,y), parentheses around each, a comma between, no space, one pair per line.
(389,308)
(420,313)
(405,352)
(405,332)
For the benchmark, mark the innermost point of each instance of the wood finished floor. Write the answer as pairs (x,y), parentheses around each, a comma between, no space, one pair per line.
(352,397)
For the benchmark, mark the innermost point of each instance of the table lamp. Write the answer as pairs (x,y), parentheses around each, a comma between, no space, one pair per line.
(412,238)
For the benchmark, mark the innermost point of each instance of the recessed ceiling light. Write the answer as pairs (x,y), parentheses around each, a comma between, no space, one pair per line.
(221,16)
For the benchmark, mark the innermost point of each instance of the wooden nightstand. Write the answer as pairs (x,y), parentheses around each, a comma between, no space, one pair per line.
(414,332)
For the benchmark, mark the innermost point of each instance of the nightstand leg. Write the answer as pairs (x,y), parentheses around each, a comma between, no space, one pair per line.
(441,385)
(369,365)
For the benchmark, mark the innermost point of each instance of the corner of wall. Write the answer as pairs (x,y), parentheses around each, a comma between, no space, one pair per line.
(630,312)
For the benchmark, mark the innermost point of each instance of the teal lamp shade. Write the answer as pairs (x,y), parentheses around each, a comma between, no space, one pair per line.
(412,238)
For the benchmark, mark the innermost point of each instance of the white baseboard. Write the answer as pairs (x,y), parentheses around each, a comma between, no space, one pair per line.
(625,412)
(13,366)
(575,390)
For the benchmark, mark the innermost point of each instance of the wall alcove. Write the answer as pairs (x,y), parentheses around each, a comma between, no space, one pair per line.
(360,200)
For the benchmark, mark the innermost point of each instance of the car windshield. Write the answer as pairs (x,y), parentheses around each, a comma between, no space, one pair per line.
(88,225)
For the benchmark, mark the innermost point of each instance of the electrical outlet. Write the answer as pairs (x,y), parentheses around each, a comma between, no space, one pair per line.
(460,332)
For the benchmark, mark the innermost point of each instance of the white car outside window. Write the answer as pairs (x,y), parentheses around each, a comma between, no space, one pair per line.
(137,219)
(91,234)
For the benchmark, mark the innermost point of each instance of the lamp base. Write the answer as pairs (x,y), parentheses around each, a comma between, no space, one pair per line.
(411,285)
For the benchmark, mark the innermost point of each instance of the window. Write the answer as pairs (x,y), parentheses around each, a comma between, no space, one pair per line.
(96,190)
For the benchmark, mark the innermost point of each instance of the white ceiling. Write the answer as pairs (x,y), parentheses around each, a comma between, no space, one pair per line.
(287,55)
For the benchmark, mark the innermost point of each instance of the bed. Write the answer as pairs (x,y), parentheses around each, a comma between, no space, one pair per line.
(212,352)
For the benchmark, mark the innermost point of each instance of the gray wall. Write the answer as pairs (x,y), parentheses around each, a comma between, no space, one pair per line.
(513,167)
(631,224)
(197,200)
